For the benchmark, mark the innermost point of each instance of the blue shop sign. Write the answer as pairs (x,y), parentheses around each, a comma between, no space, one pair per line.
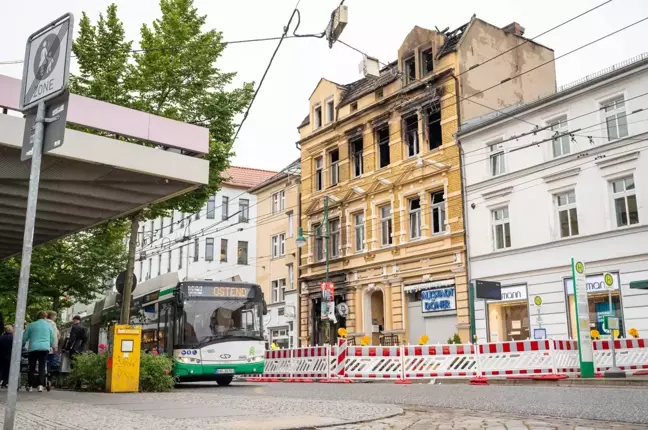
(438,300)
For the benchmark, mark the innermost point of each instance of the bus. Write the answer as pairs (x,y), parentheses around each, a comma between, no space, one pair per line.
(213,330)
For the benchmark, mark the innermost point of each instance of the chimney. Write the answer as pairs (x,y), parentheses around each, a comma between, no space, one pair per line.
(514,28)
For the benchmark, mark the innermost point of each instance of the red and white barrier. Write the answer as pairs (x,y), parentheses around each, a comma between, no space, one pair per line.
(565,357)
(527,357)
(278,363)
(631,354)
(310,362)
(441,361)
(374,362)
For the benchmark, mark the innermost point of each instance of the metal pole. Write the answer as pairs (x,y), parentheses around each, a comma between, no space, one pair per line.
(124,318)
(25,266)
(471,304)
(326,274)
(614,365)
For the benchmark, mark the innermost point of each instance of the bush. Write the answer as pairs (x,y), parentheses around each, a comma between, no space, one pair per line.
(454,339)
(155,373)
(89,372)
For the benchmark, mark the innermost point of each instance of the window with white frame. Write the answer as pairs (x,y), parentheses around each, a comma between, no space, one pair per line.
(291,276)
(244,210)
(330,111)
(497,159)
(334,166)
(278,245)
(385,225)
(359,227)
(211,207)
(414,218)
(225,208)
(319,242)
(560,144)
(319,174)
(567,213)
(625,201)
(278,201)
(291,224)
(501,228)
(615,118)
(334,238)
(278,290)
(209,249)
(223,251)
(438,212)
(280,338)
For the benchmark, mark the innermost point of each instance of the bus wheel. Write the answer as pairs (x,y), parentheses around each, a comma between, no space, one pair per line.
(224,381)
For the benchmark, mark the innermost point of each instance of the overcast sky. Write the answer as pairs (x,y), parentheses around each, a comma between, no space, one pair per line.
(376,27)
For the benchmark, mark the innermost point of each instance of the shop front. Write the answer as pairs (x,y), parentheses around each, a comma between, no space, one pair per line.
(324,321)
(508,318)
(431,311)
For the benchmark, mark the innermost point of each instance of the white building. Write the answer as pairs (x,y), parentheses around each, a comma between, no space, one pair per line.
(563,177)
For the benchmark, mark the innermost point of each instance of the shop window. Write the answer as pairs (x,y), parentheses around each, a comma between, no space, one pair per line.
(385,225)
(415,218)
(433,118)
(501,228)
(567,213)
(615,118)
(508,321)
(411,135)
(599,308)
(625,201)
(438,212)
(382,136)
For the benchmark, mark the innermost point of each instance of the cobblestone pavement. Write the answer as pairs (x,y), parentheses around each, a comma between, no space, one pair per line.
(462,419)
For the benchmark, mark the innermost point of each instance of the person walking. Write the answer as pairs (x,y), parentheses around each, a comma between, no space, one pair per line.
(40,336)
(77,340)
(6,343)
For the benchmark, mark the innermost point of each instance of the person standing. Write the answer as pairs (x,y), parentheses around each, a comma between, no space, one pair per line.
(40,336)
(6,343)
(77,340)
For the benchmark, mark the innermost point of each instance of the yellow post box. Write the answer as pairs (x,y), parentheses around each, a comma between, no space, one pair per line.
(124,365)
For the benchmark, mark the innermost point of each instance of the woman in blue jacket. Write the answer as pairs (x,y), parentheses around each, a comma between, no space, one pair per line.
(40,336)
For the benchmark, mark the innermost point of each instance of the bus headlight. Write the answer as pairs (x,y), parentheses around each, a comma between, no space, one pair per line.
(188,360)
(257,358)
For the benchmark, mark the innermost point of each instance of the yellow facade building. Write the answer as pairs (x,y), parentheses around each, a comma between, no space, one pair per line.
(380,153)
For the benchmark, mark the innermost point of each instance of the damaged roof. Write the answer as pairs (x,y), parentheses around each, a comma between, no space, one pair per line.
(452,40)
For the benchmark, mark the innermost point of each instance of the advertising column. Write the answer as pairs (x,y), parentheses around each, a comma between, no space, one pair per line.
(585,352)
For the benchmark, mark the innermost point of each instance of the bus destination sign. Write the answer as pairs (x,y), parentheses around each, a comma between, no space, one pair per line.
(217,291)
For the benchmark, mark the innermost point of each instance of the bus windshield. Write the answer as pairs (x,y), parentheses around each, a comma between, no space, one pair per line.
(216,320)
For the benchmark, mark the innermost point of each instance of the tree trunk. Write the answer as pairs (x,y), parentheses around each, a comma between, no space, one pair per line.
(130,267)
(56,303)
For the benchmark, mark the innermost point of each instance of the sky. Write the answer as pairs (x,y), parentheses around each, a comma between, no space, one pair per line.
(376,27)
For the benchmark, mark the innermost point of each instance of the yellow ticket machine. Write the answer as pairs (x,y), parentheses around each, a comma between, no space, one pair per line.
(124,365)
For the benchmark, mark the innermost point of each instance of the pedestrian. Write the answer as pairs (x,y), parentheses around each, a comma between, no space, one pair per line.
(51,318)
(77,340)
(53,359)
(41,341)
(6,343)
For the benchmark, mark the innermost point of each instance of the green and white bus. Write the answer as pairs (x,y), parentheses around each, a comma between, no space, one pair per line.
(212,329)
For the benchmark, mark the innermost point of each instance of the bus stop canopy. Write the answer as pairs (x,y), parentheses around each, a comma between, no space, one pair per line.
(90,178)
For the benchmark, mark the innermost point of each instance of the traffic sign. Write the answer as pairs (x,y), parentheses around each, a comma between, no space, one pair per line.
(608,279)
(54,130)
(610,323)
(47,63)
(537,300)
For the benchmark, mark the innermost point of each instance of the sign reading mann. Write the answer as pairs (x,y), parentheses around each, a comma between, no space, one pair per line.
(438,300)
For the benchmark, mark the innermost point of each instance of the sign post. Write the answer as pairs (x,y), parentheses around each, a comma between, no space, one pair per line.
(585,352)
(611,323)
(45,78)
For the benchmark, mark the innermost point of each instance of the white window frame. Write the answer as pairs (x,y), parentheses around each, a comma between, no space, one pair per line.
(291,224)
(276,242)
(334,167)
(211,207)
(244,210)
(414,218)
(290,285)
(330,113)
(220,254)
(563,143)
(386,226)
(317,125)
(278,290)
(625,194)
(209,242)
(503,222)
(334,238)
(616,116)
(438,210)
(225,208)
(359,231)
(497,152)
(568,206)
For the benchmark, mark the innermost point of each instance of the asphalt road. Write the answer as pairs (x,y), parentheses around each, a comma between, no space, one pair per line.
(593,403)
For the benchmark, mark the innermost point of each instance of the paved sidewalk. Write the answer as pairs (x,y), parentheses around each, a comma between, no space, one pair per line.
(73,410)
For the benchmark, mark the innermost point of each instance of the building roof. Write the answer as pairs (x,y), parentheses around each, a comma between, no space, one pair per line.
(246,177)
(452,40)
(293,169)
(361,87)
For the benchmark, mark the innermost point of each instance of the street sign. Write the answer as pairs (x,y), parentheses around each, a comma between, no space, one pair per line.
(47,63)
(585,351)
(54,130)
(488,290)
(539,333)
(608,279)
(610,323)
(537,300)
(121,282)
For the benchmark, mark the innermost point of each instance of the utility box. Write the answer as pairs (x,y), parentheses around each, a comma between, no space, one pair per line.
(123,367)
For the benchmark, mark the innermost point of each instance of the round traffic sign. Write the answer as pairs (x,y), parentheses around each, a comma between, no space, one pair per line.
(608,279)
(537,300)
(580,267)
(47,56)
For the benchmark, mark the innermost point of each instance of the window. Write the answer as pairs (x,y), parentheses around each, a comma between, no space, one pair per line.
(334,157)
(409,70)
(196,250)
(317,115)
(180,256)
(385,226)
(225,208)
(433,117)
(278,290)
(356,156)
(278,245)
(415,218)
(354,106)
(319,174)
(438,212)
(291,224)
(497,159)
(172,222)
(244,210)
(625,201)
(170,255)
(280,338)
(382,136)
(159,272)
(411,135)
(359,222)
(278,201)
(150,269)
(152,230)
(560,144)
(501,228)
(330,111)
(615,118)
(379,93)
(567,214)
(334,238)
(427,64)
(319,243)
(223,253)
(211,207)
(242,253)
(209,249)
(291,277)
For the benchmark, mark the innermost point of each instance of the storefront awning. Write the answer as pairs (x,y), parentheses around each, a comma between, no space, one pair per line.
(429,285)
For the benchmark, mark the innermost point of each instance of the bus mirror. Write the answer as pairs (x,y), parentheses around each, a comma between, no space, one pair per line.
(265,307)
(180,299)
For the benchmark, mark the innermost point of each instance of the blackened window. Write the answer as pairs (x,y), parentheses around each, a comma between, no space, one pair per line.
(382,135)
